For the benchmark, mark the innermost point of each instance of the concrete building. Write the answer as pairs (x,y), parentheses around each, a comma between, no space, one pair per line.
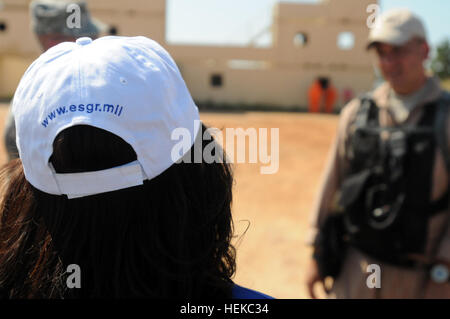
(326,39)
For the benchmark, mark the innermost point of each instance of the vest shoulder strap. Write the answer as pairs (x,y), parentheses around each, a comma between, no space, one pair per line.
(367,114)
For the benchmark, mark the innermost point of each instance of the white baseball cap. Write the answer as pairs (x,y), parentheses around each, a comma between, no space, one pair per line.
(129,86)
(396,27)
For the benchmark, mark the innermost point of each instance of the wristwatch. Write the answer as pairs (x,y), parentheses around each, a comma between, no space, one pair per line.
(440,273)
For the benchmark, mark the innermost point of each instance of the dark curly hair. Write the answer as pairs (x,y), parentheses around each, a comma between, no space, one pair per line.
(168,238)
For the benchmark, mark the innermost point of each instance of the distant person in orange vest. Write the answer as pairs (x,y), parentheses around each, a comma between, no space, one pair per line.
(322,96)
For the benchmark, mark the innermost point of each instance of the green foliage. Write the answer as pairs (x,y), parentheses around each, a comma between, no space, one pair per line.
(441,62)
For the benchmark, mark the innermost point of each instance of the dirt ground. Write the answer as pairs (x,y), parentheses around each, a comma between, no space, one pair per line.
(271,255)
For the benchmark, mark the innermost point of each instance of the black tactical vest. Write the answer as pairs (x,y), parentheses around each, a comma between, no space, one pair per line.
(385,197)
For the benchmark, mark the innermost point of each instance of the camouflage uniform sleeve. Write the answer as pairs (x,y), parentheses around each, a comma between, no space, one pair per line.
(331,178)
(10,137)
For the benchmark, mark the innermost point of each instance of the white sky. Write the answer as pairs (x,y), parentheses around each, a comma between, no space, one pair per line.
(235,22)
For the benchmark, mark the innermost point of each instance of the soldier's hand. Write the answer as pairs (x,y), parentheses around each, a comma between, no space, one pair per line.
(312,277)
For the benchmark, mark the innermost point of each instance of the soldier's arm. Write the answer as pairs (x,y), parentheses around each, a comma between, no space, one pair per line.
(442,256)
(433,289)
(331,178)
(443,252)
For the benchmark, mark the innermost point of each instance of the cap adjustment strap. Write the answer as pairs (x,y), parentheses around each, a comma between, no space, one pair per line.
(108,180)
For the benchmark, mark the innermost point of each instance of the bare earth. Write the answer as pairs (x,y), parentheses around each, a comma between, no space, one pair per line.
(271,255)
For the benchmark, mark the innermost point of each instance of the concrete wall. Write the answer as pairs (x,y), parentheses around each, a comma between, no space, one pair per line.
(12,68)
(289,69)
(284,85)
(278,76)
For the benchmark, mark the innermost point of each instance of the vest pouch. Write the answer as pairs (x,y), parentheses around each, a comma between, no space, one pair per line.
(352,188)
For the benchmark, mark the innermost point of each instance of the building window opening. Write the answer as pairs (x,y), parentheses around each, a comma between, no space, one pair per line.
(113,30)
(3,26)
(216,80)
(346,41)
(300,39)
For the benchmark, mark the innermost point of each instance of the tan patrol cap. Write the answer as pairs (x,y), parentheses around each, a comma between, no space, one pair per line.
(396,27)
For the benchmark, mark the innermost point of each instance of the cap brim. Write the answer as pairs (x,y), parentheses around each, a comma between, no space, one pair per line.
(391,37)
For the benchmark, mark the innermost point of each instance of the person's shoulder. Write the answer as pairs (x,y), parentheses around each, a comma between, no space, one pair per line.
(444,100)
(378,95)
(435,92)
(445,95)
(351,106)
(245,293)
(348,112)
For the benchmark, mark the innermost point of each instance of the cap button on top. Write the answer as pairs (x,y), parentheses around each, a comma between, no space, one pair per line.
(84,41)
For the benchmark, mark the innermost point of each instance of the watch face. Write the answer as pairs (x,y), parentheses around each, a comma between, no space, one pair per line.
(440,274)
